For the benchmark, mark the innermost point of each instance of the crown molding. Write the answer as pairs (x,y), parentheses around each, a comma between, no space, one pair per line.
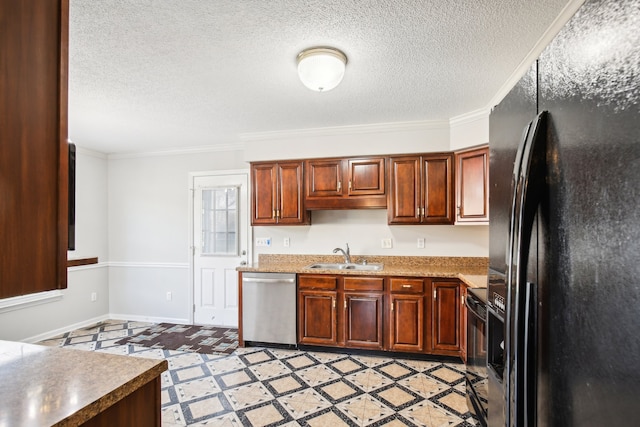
(346,130)
(91,153)
(565,15)
(238,146)
(469,117)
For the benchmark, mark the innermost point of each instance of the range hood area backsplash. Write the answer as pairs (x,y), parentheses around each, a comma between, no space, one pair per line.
(364,231)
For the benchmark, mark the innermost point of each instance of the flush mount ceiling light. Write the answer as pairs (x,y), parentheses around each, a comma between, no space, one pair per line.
(321,68)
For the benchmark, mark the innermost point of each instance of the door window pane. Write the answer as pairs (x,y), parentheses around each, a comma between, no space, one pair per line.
(220,221)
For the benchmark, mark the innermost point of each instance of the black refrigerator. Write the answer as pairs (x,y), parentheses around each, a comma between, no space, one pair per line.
(563,323)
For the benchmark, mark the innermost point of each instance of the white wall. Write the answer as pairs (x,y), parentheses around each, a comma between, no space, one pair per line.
(386,138)
(469,129)
(149,231)
(74,308)
(364,229)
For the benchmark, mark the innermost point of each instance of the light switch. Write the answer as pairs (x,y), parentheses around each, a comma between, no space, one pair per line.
(420,242)
(387,244)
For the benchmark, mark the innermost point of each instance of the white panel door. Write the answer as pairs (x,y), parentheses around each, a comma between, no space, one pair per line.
(221,242)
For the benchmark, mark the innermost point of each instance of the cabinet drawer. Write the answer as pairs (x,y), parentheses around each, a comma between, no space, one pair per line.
(317,282)
(407,285)
(364,284)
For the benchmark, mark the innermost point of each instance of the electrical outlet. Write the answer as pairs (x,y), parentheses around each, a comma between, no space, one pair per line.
(420,242)
(94,296)
(286,242)
(169,296)
(387,244)
(263,241)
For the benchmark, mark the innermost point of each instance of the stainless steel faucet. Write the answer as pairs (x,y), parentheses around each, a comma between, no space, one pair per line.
(346,255)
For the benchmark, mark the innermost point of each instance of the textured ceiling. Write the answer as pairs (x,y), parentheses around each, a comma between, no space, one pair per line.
(149,75)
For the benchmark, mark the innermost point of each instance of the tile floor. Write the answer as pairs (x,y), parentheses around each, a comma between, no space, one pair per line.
(276,387)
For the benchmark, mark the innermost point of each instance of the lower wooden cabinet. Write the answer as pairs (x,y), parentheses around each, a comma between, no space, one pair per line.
(445,317)
(406,323)
(363,320)
(403,314)
(317,314)
(317,317)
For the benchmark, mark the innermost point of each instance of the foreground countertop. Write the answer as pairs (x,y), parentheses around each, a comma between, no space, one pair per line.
(471,270)
(50,386)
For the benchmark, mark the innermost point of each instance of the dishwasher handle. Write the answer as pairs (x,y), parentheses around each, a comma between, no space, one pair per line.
(265,280)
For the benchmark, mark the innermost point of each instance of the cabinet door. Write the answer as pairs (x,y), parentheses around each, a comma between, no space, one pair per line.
(317,317)
(403,206)
(472,185)
(263,193)
(324,178)
(363,320)
(366,177)
(445,317)
(406,322)
(290,209)
(437,176)
(34,154)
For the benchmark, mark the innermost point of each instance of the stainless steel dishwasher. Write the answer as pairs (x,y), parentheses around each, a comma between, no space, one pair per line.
(269,307)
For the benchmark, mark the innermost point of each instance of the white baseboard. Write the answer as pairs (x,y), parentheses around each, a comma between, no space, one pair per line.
(138,318)
(64,329)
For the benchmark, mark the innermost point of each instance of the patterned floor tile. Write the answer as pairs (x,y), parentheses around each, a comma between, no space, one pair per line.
(303,403)
(228,364)
(207,407)
(196,389)
(394,370)
(317,375)
(338,390)
(267,370)
(447,375)
(248,395)
(264,415)
(454,401)
(368,380)
(330,418)
(423,385)
(365,410)
(284,385)
(301,361)
(287,387)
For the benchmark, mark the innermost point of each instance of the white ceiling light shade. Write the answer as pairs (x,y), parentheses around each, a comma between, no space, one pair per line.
(321,68)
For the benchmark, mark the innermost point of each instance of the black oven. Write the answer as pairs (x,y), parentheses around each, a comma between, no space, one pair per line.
(476,372)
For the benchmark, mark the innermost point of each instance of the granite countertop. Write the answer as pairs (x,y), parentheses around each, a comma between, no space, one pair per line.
(50,386)
(471,270)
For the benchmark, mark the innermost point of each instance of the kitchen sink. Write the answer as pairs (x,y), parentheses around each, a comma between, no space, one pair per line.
(344,266)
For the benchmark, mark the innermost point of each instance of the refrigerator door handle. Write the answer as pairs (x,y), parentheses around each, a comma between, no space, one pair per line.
(509,261)
(528,191)
(529,355)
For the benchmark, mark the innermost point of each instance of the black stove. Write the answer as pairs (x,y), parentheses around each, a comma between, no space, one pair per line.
(476,366)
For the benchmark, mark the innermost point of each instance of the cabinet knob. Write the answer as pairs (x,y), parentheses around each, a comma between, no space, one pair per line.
(339,186)
(406,286)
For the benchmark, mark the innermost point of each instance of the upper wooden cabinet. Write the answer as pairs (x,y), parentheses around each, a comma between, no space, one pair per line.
(421,189)
(34,155)
(472,185)
(277,194)
(345,183)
